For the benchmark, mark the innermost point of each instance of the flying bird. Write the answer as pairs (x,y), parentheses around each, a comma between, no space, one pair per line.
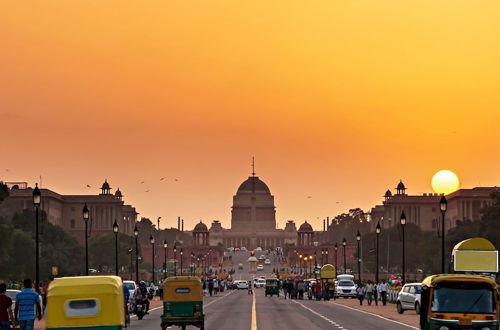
(309,197)
(337,202)
(147,190)
(176,179)
(6,169)
(162,179)
(89,186)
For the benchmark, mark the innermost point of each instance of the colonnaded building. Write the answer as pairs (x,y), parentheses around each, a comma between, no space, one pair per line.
(253,220)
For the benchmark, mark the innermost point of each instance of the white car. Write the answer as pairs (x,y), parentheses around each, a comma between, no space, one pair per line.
(257,249)
(409,298)
(131,286)
(345,286)
(267,262)
(13,293)
(241,285)
(260,267)
(259,283)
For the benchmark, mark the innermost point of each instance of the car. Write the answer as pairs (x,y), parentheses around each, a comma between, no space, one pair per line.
(260,267)
(241,285)
(258,249)
(409,298)
(13,293)
(267,262)
(244,249)
(345,286)
(261,283)
(131,286)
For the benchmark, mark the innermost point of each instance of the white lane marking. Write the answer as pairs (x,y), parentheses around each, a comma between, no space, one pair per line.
(381,317)
(132,316)
(210,303)
(254,313)
(320,315)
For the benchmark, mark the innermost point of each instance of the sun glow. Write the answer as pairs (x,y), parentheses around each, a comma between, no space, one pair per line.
(445,182)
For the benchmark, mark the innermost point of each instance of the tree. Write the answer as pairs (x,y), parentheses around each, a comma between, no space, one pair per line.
(102,252)
(4,191)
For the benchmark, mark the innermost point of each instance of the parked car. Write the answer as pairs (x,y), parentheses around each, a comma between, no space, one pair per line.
(260,267)
(409,298)
(13,293)
(241,284)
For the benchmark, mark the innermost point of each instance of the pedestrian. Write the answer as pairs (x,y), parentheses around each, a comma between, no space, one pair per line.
(317,290)
(250,289)
(375,293)
(369,292)
(210,287)
(285,287)
(301,287)
(216,286)
(382,289)
(326,291)
(27,301)
(6,313)
(361,293)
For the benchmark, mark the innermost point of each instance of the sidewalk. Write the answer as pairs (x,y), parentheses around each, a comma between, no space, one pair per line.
(388,311)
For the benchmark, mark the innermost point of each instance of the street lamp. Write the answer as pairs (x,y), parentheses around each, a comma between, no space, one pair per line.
(377,232)
(37,200)
(115,230)
(344,243)
(85,214)
(326,255)
(152,241)
(358,239)
(136,235)
(402,220)
(197,264)
(165,246)
(310,264)
(182,253)
(322,256)
(336,250)
(175,259)
(443,206)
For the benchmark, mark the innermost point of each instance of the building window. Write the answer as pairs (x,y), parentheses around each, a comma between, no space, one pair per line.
(72,224)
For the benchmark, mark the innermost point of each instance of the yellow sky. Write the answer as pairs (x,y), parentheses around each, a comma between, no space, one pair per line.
(337,100)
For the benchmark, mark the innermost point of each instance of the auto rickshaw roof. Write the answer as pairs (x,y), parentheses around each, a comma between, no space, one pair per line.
(476,243)
(183,279)
(433,280)
(84,284)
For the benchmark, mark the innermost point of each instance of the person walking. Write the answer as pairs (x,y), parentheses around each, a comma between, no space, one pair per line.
(317,290)
(301,287)
(210,287)
(361,293)
(369,292)
(250,289)
(6,313)
(382,289)
(216,286)
(285,288)
(27,301)
(375,293)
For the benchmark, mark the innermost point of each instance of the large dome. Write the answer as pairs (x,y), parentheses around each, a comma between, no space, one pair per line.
(253,183)
(200,227)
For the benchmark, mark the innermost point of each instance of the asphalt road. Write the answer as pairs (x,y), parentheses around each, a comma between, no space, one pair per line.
(233,310)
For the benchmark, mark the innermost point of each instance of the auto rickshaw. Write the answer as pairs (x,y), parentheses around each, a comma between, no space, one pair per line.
(86,302)
(272,287)
(183,302)
(240,266)
(459,301)
(327,277)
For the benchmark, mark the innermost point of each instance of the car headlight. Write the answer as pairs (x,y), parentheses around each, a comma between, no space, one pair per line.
(444,327)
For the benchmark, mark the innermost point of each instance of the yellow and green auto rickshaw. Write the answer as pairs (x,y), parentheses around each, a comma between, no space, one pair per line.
(183,302)
(459,301)
(272,287)
(327,278)
(86,302)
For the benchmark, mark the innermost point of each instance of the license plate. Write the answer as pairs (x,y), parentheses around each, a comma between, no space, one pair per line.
(464,321)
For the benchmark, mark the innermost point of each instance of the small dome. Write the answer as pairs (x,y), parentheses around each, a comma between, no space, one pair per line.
(388,193)
(200,227)
(105,185)
(305,227)
(118,193)
(253,183)
(401,185)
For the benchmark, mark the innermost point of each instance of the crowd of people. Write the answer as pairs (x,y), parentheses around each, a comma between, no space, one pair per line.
(373,292)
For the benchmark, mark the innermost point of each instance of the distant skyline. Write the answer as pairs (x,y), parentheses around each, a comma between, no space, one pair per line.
(337,101)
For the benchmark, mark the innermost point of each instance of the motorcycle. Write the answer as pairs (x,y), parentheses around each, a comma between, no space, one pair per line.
(140,310)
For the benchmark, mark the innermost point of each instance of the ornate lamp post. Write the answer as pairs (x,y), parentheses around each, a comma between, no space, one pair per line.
(197,264)
(86,215)
(344,243)
(37,200)
(165,246)
(322,256)
(115,230)
(377,232)
(336,251)
(182,253)
(402,220)
(358,238)
(152,241)
(443,206)
(175,259)
(136,235)
(326,255)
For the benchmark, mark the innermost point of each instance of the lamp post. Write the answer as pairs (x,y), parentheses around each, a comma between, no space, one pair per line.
(358,238)
(197,264)
(336,251)
(402,220)
(182,253)
(175,259)
(152,241)
(443,205)
(310,264)
(136,234)
(344,243)
(377,232)
(115,230)
(37,200)
(85,214)
(326,255)
(165,246)
(322,256)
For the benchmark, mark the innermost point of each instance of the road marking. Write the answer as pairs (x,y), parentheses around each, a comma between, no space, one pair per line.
(132,316)
(320,315)
(210,303)
(381,317)
(254,313)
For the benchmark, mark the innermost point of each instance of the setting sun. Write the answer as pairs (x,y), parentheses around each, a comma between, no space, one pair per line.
(445,182)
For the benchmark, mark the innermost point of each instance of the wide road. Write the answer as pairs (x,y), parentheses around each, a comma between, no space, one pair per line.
(234,310)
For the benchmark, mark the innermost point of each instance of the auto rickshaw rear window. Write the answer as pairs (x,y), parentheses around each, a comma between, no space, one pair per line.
(182,290)
(463,297)
(84,307)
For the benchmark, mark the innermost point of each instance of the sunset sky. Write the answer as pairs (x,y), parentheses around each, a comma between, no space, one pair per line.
(337,100)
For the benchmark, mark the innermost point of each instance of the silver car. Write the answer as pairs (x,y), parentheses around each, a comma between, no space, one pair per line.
(409,298)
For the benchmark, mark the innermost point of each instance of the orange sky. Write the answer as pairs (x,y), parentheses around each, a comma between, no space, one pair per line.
(337,100)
